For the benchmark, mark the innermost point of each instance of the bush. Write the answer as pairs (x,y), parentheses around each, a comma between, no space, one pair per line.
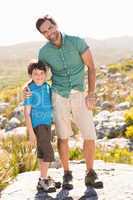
(114,68)
(117,155)
(130,98)
(13,96)
(75,154)
(20,157)
(10,94)
(127,67)
(129,116)
(124,66)
(5,170)
(129,132)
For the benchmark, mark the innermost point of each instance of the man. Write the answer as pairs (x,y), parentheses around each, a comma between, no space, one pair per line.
(66,56)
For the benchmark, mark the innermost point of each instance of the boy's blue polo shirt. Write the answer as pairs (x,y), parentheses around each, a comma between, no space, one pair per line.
(41,106)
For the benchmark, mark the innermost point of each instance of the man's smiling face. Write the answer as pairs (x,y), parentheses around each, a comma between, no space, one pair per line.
(50,31)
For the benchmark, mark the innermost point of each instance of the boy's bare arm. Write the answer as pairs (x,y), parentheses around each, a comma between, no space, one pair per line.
(32,137)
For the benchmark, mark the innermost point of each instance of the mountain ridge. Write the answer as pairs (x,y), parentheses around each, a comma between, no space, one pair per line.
(105,51)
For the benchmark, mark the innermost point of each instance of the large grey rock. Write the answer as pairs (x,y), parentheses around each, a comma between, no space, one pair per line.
(117,179)
(114,75)
(12,123)
(3,106)
(3,122)
(102,116)
(106,105)
(19,131)
(109,124)
(123,106)
(111,143)
(18,113)
(117,116)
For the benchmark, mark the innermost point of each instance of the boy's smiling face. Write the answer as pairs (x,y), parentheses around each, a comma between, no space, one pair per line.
(38,76)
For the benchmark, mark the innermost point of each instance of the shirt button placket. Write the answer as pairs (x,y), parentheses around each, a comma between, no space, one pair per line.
(65,67)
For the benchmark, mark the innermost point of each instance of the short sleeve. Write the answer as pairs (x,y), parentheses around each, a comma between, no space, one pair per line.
(81,45)
(27,101)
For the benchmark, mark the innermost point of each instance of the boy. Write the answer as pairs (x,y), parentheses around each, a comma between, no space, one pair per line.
(38,116)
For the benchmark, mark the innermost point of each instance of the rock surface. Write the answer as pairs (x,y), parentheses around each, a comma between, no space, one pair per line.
(117,178)
(109,123)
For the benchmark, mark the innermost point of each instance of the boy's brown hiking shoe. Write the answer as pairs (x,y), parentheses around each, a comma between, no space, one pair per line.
(46,185)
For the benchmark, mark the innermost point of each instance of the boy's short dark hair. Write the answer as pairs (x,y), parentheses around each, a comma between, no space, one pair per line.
(36,65)
(41,20)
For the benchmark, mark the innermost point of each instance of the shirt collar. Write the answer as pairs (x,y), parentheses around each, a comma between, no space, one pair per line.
(63,35)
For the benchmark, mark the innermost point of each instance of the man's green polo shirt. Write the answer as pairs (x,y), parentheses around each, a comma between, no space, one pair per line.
(66,64)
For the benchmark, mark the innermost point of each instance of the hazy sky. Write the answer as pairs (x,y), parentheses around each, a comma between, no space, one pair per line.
(98,19)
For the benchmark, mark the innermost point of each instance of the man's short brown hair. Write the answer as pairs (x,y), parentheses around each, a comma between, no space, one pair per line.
(41,20)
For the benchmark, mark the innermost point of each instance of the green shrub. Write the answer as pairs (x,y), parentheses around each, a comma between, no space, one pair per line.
(129,132)
(75,154)
(117,155)
(20,157)
(127,67)
(114,68)
(130,98)
(124,66)
(129,116)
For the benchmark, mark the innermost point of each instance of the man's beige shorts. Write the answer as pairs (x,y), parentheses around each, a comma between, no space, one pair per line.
(72,108)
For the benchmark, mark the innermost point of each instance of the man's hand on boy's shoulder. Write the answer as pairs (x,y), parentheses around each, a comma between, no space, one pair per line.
(26,91)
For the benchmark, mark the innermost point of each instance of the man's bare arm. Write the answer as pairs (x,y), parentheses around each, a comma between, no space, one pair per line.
(26,91)
(88,61)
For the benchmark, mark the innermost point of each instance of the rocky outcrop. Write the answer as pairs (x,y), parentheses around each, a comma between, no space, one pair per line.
(3,106)
(109,123)
(117,179)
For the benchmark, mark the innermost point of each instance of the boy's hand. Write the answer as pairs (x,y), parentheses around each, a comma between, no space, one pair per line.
(32,139)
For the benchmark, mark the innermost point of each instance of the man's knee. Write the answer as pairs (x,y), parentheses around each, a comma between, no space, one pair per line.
(62,141)
(89,140)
